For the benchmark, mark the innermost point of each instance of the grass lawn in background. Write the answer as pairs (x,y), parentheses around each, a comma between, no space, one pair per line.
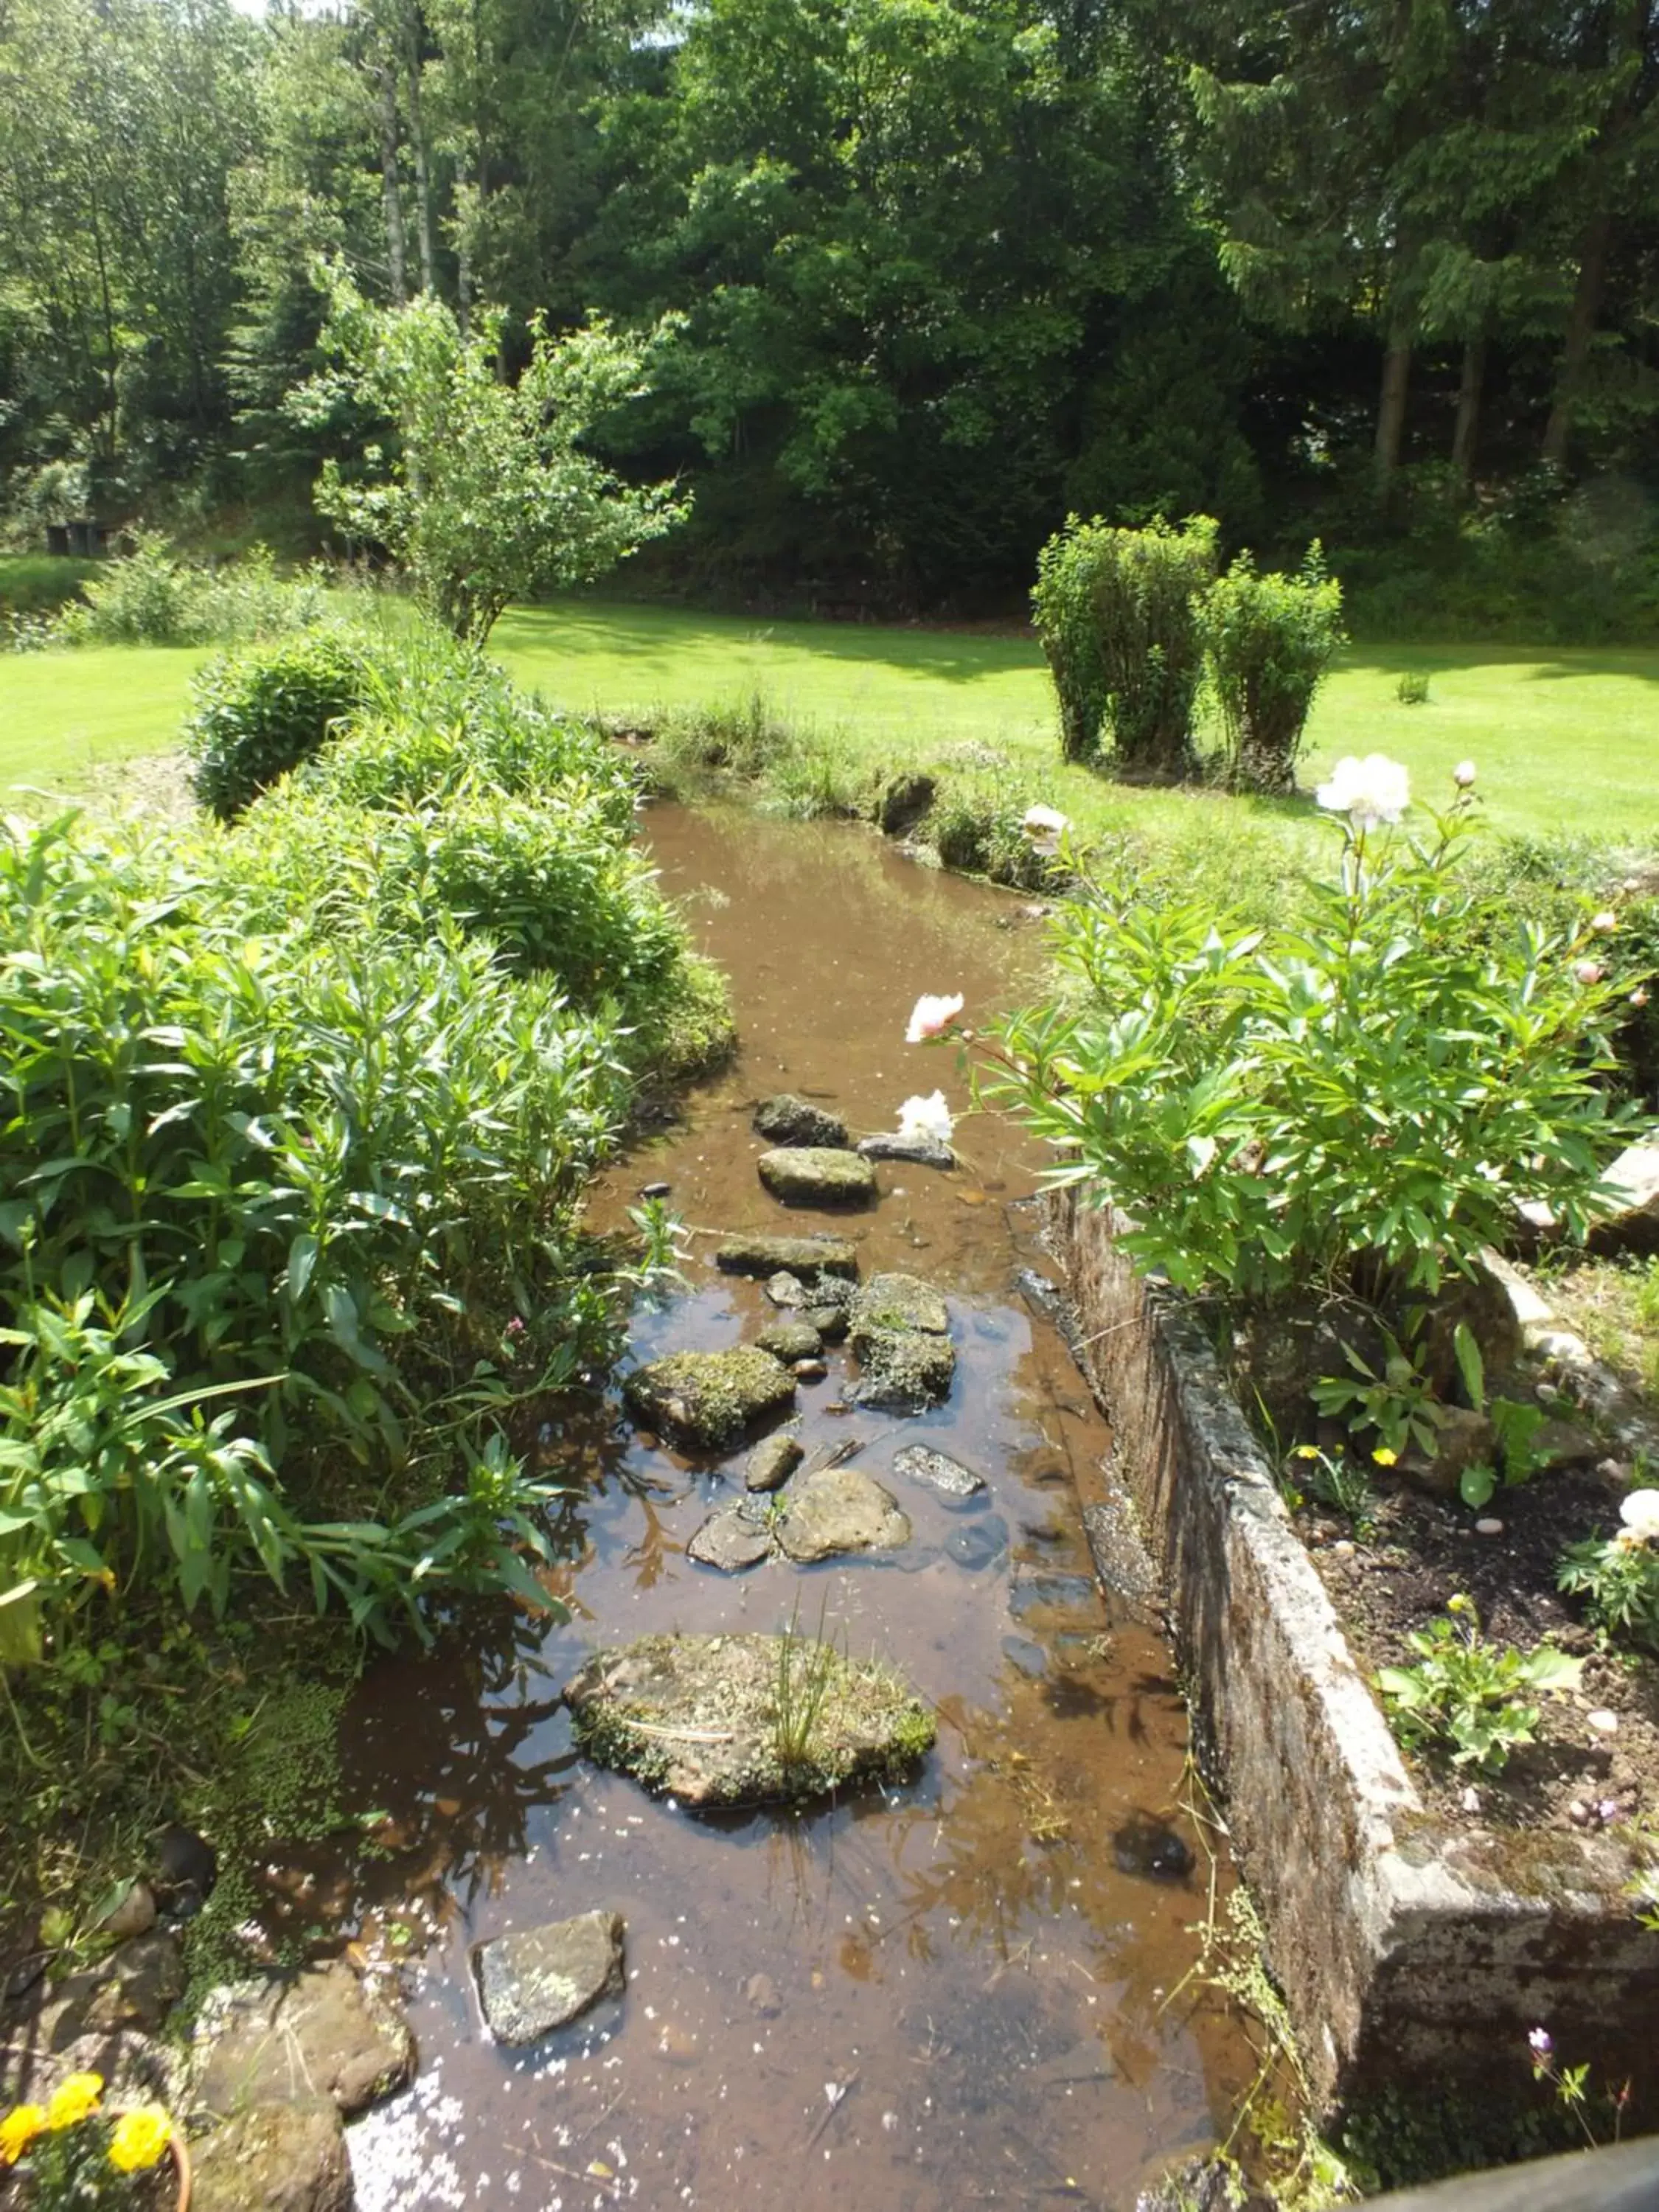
(65,717)
(1565,741)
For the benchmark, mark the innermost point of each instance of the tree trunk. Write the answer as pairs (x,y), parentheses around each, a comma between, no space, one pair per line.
(1467,428)
(423,167)
(1581,332)
(396,254)
(1391,407)
(464,207)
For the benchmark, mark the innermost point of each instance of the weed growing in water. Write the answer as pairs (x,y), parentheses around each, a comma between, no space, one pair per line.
(806,1667)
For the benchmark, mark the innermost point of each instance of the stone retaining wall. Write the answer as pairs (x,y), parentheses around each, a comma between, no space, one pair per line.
(1407,1952)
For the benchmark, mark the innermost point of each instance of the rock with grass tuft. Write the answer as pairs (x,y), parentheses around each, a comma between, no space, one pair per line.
(747,1720)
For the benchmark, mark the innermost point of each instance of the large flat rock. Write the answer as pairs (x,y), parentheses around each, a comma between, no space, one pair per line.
(733,1539)
(747,1720)
(815,1175)
(531,1982)
(274,2158)
(323,2033)
(705,1400)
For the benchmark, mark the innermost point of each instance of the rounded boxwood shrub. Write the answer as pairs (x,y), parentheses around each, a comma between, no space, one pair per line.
(262,711)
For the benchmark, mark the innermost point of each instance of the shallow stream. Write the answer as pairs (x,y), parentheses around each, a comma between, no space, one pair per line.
(971,1991)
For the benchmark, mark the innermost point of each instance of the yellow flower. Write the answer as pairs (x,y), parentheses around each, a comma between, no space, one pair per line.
(76,2096)
(140,2138)
(18,2131)
(1306,1451)
(1384,1457)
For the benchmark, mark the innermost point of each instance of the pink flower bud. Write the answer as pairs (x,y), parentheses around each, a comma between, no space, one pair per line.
(1463,775)
(1604,923)
(1589,971)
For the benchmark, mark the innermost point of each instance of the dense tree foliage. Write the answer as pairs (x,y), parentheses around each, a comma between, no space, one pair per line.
(947,269)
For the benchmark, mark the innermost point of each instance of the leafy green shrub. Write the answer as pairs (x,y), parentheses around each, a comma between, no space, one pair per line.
(1116,613)
(154,598)
(1269,640)
(260,712)
(977,828)
(310,1174)
(1363,1090)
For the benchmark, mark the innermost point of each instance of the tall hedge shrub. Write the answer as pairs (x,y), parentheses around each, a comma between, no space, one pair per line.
(1117,613)
(1270,640)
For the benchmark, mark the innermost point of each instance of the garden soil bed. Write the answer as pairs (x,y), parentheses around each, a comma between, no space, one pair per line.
(1424,1551)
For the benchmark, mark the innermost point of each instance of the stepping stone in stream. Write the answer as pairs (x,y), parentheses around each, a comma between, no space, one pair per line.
(920,1152)
(899,1335)
(533,1982)
(788,1119)
(734,1538)
(810,1259)
(813,1174)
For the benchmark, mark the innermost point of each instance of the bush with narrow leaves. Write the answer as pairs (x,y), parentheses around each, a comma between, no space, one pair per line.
(260,712)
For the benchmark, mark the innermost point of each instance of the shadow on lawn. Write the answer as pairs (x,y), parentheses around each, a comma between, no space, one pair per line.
(655,636)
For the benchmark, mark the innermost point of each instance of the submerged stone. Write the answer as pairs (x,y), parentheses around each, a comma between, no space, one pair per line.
(707,1399)
(1152,1848)
(830,1322)
(745,1720)
(814,1175)
(940,1472)
(979,1543)
(839,1510)
(730,1539)
(533,1983)
(810,1259)
(788,1119)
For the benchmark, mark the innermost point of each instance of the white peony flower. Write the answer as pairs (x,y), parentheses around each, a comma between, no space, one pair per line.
(1463,775)
(932,1016)
(1369,792)
(927,1117)
(1045,826)
(1640,1514)
(1604,923)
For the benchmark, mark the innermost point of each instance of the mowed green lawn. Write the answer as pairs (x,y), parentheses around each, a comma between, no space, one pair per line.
(1564,741)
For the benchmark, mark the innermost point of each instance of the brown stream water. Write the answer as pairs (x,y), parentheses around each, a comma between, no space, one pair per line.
(960,1992)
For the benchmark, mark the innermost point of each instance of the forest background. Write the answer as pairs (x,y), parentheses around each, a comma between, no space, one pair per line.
(1386,274)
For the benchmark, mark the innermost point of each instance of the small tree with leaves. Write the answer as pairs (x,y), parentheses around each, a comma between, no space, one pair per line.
(486,495)
(1116,612)
(1270,640)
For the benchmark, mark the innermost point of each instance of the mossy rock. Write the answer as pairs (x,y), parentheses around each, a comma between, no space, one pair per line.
(903,1369)
(747,1720)
(788,1119)
(890,1302)
(706,1400)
